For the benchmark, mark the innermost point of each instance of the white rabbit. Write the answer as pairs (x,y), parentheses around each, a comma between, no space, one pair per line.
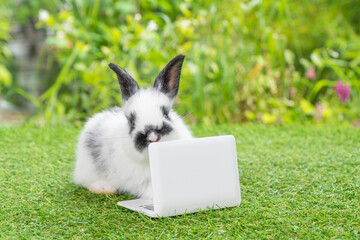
(112,154)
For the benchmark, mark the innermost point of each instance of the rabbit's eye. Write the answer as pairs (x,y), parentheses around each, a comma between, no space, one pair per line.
(131,121)
(165,112)
(165,129)
(132,124)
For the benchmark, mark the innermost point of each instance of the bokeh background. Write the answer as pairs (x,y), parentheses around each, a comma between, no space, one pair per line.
(273,62)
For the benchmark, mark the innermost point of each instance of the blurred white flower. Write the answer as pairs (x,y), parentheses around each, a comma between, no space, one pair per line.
(137,17)
(60,34)
(152,26)
(193,68)
(43,15)
(67,6)
(67,26)
(333,53)
(185,24)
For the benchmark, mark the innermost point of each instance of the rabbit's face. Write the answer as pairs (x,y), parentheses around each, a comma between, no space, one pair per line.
(148,116)
(148,111)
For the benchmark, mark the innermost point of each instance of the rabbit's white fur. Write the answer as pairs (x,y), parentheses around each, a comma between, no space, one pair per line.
(119,166)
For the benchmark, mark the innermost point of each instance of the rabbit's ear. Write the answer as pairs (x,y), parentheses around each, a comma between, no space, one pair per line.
(128,85)
(168,79)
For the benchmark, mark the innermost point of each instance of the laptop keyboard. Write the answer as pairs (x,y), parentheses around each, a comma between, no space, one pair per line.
(148,207)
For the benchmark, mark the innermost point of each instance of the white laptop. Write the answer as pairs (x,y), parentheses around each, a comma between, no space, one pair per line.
(191,175)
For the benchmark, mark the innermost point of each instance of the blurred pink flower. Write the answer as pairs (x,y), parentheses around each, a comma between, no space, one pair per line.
(319,111)
(292,93)
(357,124)
(310,73)
(343,91)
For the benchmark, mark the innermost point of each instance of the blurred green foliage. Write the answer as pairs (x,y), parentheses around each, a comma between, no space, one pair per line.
(5,55)
(245,60)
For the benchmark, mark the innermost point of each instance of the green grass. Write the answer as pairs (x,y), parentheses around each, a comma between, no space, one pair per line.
(296,182)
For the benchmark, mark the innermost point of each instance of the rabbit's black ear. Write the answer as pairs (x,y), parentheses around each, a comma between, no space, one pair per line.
(168,79)
(128,85)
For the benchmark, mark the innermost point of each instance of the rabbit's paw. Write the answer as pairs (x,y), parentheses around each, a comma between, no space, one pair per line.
(102,186)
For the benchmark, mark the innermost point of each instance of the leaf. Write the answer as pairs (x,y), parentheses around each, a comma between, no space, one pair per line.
(125,7)
(316,59)
(249,115)
(305,63)
(318,86)
(5,76)
(116,35)
(60,111)
(28,96)
(289,56)
(268,118)
(306,107)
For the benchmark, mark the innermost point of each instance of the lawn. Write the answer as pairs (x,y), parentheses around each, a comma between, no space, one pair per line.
(296,182)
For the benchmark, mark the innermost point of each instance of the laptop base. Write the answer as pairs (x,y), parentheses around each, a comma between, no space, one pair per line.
(145,206)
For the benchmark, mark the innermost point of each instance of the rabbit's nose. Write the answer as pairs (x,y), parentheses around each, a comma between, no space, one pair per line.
(153,137)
